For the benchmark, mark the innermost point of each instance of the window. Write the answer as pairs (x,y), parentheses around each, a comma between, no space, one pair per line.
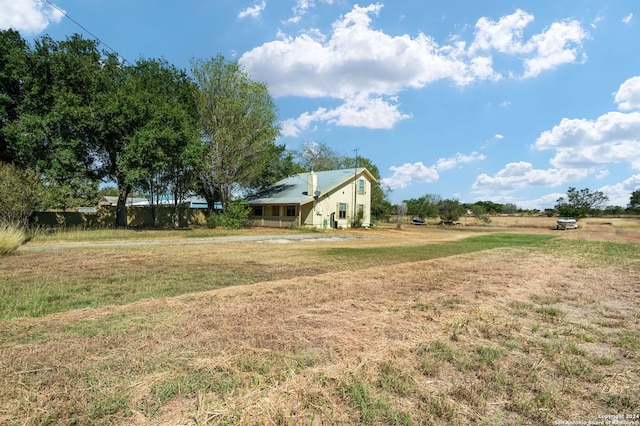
(291,210)
(275,210)
(257,210)
(361,209)
(361,186)
(342,211)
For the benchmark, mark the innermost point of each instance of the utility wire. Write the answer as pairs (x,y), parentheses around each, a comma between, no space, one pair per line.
(87,31)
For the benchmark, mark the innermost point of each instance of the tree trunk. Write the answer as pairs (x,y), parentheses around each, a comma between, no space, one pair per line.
(121,207)
(211,197)
(176,211)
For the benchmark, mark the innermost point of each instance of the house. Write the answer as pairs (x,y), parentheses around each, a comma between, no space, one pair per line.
(327,199)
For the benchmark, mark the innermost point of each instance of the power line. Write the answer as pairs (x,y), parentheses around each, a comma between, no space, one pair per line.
(86,30)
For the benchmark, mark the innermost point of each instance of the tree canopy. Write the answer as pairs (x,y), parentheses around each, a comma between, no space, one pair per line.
(81,117)
(238,123)
(634,201)
(13,57)
(425,206)
(581,203)
(149,138)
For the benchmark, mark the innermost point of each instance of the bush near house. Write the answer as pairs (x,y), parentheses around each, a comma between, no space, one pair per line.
(235,217)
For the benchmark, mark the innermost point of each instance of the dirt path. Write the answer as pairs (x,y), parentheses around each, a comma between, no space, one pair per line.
(283,239)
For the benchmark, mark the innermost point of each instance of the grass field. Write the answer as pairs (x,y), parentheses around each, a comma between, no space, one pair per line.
(512,323)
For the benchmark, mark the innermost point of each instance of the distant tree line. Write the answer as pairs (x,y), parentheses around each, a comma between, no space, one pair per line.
(76,118)
(577,203)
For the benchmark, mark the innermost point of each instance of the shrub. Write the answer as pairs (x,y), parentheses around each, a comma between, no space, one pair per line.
(235,217)
(11,237)
(21,192)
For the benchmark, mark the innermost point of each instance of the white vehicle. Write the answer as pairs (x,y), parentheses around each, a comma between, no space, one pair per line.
(565,223)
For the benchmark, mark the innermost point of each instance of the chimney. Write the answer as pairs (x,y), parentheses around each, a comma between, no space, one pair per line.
(312,183)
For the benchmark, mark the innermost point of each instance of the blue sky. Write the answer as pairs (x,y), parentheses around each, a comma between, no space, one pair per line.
(512,102)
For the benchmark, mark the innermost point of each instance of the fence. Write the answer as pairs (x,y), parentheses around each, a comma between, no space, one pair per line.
(105,217)
(289,222)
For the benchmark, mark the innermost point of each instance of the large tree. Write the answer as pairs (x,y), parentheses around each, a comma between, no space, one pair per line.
(450,209)
(145,115)
(13,68)
(425,206)
(55,118)
(580,203)
(280,164)
(238,122)
(318,156)
(86,117)
(159,147)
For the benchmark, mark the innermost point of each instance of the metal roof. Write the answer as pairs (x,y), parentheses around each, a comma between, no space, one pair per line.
(293,190)
(194,202)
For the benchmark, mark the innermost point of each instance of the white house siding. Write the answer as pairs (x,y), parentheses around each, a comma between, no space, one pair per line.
(321,209)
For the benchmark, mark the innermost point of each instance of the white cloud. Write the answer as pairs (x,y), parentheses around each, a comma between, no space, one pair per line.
(620,193)
(556,46)
(504,36)
(519,175)
(299,10)
(355,60)
(579,143)
(27,16)
(627,19)
(628,95)
(409,173)
(596,21)
(582,147)
(452,162)
(253,11)
(603,173)
(302,7)
(356,111)
(545,201)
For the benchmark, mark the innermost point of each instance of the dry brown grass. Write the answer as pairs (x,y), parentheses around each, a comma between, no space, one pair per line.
(508,336)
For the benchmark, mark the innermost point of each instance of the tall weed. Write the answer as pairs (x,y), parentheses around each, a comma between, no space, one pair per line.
(11,237)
